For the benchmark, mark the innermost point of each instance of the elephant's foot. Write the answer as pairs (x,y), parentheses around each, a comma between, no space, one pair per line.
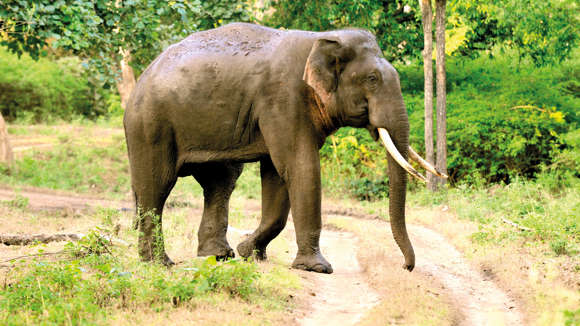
(220,249)
(312,263)
(163,259)
(249,248)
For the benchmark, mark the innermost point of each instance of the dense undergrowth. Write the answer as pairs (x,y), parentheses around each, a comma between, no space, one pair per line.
(92,279)
(49,90)
(506,119)
(78,162)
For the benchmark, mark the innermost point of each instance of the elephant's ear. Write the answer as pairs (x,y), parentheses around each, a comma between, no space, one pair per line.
(325,62)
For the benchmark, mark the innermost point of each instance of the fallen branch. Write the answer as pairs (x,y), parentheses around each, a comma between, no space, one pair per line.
(522,228)
(26,239)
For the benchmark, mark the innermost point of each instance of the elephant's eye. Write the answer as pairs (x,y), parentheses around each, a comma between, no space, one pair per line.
(372,80)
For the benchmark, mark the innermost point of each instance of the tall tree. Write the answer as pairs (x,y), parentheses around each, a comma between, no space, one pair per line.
(5,148)
(440,20)
(427,19)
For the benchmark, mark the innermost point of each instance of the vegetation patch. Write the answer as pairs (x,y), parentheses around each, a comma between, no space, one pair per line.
(97,280)
(78,164)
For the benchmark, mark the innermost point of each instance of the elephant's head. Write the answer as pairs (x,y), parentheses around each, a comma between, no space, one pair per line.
(357,87)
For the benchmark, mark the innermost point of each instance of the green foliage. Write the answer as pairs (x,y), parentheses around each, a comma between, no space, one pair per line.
(84,290)
(98,29)
(353,163)
(545,31)
(566,164)
(18,202)
(502,121)
(559,247)
(572,317)
(552,217)
(93,243)
(86,168)
(43,90)
(396,24)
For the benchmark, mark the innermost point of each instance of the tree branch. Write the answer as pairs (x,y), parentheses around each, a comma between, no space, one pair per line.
(26,239)
(522,228)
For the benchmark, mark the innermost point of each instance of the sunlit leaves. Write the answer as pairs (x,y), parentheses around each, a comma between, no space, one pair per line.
(395,23)
(545,31)
(97,29)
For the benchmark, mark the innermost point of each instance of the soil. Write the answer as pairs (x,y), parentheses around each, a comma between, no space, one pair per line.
(344,297)
(48,199)
(478,299)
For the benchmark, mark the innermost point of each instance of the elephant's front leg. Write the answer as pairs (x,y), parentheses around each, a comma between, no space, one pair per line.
(293,144)
(305,197)
(275,208)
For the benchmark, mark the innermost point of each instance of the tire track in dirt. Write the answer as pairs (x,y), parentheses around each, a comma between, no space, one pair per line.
(477,298)
(343,297)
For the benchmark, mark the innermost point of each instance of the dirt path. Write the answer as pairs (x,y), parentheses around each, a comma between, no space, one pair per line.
(476,296)
(48,199)
(344,297)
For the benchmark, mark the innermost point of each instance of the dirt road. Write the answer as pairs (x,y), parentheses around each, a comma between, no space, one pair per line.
(345,297)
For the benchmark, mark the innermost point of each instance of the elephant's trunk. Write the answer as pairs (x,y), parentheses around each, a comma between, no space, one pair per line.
(397,169)
(397,197)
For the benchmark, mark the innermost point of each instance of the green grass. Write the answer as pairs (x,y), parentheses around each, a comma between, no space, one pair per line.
(546,216)
(84,168)
(83,163)
(94,279)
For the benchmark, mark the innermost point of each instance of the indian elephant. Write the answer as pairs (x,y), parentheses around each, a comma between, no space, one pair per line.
(245,93)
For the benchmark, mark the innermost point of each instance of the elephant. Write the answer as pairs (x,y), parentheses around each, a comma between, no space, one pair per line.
(246,93)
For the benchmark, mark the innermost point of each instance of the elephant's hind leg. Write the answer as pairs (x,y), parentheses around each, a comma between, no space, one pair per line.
(218,181)
(153,176)
(275,208)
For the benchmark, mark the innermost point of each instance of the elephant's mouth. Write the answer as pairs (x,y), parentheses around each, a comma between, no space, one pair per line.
(388,142)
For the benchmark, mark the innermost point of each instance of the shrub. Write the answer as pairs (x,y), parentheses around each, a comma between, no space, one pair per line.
(44,90)
(505,118)
(353,163)
(85,290)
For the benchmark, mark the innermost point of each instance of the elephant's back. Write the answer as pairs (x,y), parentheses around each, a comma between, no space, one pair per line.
(239,42)
(237,39)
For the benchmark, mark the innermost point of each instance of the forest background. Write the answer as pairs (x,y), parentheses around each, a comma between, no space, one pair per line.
(513,99)
(512,73)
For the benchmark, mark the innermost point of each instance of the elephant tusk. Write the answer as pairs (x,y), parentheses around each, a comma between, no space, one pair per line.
(388,142)
(417,158)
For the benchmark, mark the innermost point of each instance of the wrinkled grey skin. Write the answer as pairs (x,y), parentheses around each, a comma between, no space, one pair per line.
(244,93)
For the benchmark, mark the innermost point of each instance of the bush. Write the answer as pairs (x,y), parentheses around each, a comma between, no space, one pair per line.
(45,90)
(353,163)
(504,118)
(84,291)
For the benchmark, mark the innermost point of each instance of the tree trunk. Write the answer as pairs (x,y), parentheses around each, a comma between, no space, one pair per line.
(126,83)
(5,148)
(441,91)
(427,19)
